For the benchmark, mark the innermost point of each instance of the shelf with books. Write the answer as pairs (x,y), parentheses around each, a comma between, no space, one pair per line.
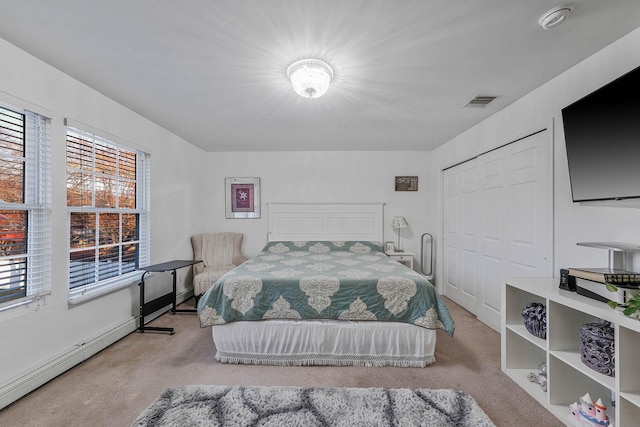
(568,377)
(608,275)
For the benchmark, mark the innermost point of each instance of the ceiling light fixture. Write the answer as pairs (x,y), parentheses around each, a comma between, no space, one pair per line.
(554,17)
(310,77)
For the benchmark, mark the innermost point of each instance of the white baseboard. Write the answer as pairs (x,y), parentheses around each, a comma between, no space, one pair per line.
(39,375)
(184,295)
(24,384)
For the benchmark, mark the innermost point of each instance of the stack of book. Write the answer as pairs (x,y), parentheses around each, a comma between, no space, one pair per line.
(591,282)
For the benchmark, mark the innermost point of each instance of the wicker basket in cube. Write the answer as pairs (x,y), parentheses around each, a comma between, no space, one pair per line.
(597,347)
(535,319)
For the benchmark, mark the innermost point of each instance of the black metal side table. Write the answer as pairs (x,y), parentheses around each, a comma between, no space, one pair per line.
(146,308)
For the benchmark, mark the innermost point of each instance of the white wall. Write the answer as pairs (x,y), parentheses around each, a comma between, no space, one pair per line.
(188,191)
(34,336)
(572,222)
(343,176)
(187,197)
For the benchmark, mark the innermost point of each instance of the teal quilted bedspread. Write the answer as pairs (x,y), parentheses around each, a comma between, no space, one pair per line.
(345,280)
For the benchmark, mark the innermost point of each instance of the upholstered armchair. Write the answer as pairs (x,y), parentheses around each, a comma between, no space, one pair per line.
(219,252)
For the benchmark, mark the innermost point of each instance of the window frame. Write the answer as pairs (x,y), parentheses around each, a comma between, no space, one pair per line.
(36,203)
(97,288)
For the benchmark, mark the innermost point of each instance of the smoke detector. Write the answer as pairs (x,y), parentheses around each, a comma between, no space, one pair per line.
(554,17)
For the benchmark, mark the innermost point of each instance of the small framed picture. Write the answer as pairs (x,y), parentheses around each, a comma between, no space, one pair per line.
(389,247)
(242,197)
(406,183)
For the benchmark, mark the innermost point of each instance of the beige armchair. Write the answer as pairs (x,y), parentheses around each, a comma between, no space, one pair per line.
(219,252)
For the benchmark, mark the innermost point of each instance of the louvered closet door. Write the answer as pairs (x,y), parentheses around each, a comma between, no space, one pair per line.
(502,227)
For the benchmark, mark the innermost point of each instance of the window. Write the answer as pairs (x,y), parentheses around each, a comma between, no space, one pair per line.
(25,206)
(107,200)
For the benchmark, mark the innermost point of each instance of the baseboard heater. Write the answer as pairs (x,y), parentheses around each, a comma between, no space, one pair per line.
(25,383)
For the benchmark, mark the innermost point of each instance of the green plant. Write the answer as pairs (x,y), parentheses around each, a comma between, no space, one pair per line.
(632,305)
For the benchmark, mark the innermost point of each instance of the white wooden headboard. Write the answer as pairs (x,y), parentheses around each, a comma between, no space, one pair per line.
(326,221)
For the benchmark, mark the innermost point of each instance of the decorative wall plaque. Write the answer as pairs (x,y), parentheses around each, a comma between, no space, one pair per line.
(406,183)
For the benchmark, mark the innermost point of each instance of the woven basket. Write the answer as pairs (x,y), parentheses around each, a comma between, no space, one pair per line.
(535,319)
(597,347)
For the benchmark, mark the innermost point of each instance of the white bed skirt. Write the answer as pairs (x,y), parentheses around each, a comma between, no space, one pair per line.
(324,342)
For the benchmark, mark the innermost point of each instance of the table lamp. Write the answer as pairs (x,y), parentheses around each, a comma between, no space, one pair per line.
(398,223)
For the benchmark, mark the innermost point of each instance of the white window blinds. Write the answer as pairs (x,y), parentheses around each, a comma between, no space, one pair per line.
(25,206)
(108,204)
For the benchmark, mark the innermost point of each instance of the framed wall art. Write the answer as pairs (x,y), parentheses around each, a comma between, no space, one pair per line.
(406,183)
(242,197)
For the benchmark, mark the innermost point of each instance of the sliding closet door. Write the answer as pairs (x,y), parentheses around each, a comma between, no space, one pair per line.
(461,234)
(505,226)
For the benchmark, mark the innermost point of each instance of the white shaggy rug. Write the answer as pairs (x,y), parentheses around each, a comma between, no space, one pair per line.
(208,405)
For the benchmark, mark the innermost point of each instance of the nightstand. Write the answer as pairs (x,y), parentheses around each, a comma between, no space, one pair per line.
(405,257)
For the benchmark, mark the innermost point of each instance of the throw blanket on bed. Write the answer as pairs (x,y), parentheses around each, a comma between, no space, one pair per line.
(324,280)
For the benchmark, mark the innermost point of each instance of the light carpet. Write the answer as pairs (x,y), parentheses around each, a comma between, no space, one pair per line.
(209,405)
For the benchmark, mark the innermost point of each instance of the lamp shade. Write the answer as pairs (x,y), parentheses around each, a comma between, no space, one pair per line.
(399,222)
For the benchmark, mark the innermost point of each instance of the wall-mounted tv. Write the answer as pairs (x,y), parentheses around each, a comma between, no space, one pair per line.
(602,137)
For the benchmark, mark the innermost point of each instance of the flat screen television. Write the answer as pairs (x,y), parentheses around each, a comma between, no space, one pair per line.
(602,138)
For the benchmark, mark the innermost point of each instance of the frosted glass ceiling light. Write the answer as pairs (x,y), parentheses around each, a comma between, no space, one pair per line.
(310,77)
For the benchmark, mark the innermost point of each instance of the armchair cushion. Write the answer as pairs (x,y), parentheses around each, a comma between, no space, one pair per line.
(220,252)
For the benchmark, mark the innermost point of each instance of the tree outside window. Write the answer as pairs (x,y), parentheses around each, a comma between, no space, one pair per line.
(102,190)
(24,204)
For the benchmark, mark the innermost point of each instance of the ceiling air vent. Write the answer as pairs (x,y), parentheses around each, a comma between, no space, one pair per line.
(480,101)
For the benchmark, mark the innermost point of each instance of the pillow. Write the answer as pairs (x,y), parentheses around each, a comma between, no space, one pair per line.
(323,246)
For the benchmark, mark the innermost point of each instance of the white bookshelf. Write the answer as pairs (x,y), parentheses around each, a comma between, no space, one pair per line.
(567,377)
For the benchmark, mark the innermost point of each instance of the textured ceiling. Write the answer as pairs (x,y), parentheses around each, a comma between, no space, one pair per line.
(213,72)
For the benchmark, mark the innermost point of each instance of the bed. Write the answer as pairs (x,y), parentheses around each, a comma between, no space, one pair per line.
(322,292)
